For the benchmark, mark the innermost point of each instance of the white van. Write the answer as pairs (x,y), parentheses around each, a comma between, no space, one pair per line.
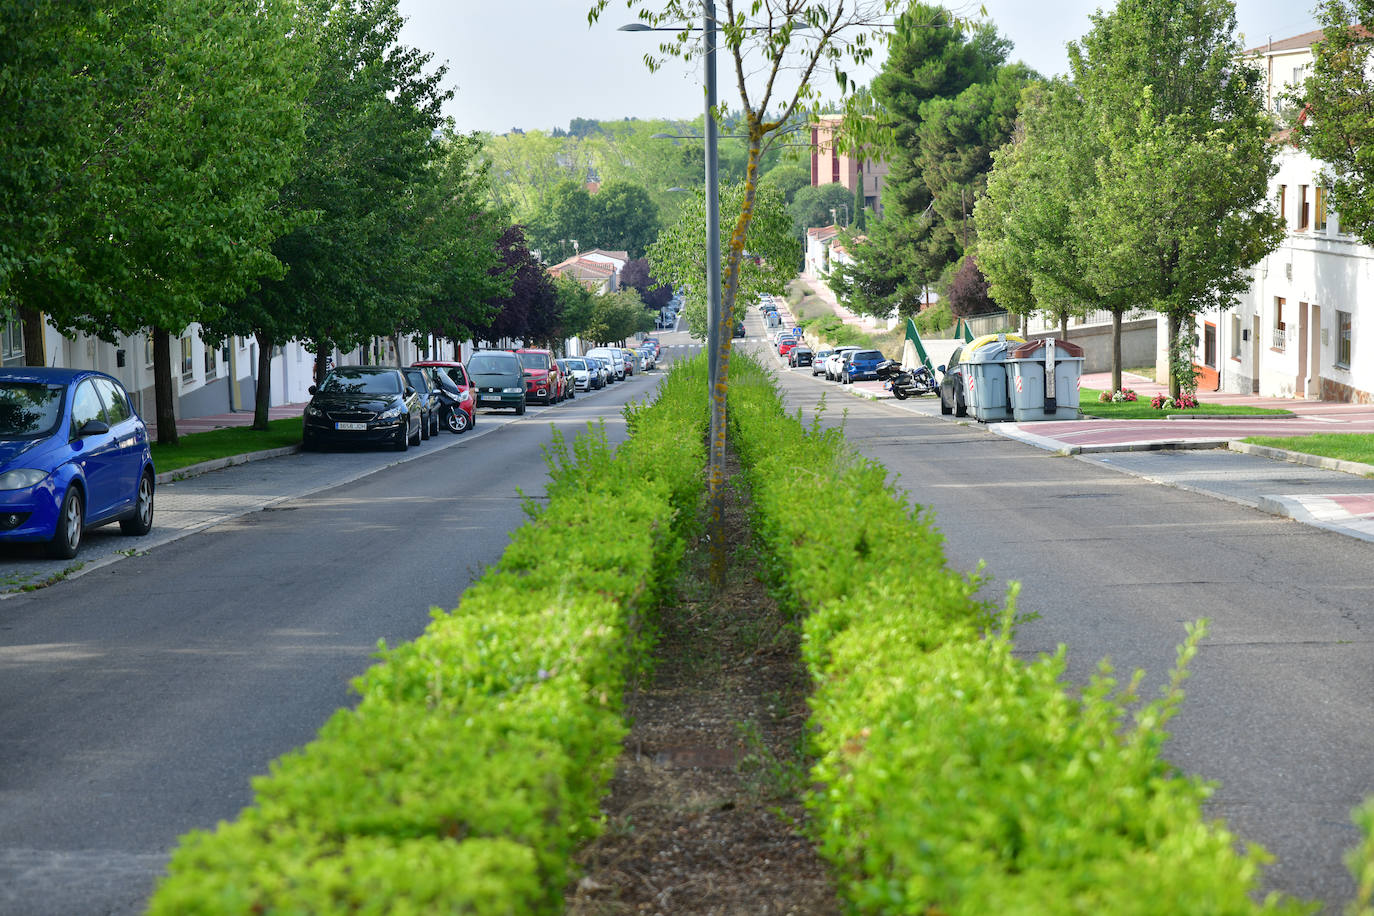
(616,358)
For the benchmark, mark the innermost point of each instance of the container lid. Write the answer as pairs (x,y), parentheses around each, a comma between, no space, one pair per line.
(990,348)
(1036,348)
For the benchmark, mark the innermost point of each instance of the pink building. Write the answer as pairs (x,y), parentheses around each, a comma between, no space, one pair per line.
(830,166)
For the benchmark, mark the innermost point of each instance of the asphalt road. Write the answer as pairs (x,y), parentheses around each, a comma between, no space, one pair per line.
(1278,707)
(138,699)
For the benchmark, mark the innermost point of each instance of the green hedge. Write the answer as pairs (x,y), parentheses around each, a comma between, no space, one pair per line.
(476,758)
(955,777)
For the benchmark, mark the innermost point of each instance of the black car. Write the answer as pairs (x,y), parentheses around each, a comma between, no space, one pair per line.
(952,382)
(430,405)
(363,405)
(799,356)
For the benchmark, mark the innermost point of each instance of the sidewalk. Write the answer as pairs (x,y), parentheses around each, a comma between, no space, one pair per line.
(188,425)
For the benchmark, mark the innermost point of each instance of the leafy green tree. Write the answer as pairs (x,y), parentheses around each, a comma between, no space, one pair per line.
(576,306)
(1181,212)
(789,177)
(678,258)
(199,125)
(616,317)
(355,267)
(936,58)
(1337,124)
(624,218)
(812,206)
(460,237)
(808,36)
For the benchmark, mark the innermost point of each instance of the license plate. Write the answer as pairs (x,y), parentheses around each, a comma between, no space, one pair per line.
(487,400)
(351,426)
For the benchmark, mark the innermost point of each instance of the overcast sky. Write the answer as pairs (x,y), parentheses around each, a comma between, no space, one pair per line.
(535,64)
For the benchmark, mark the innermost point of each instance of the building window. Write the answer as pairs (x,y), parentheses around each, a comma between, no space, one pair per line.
(211,366)
(187,370)
(1283,205)
(1280,338)
(13,344)
(1209,345)
(1319,209)
(1343,339)
(1235,337)
(1302,208)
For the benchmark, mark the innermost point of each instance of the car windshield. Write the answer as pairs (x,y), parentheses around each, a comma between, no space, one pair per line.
(494,364)
(29,410)
(361,381)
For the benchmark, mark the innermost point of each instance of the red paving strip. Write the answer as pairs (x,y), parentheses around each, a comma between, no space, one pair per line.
(187,425)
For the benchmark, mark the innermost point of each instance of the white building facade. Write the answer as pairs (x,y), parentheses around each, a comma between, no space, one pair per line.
(1305,327)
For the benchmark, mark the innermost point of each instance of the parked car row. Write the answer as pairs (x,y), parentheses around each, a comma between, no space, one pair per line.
(400,407)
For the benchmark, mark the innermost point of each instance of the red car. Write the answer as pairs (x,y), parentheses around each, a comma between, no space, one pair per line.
(452,377)
(543,381)
(785,346)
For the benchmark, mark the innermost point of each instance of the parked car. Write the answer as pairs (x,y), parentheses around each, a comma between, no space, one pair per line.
(569,384)
(457,410)
(653,342)
(860,365)
(542,381)
(601,368)
(835,361)
(615,357)
(74,454)
(633,363)
(739,329)
(362,405)
(787,345)
(800,356)
(499,378)
(584,376)
(646,354)
(818,361)
(952,385)
(429,400)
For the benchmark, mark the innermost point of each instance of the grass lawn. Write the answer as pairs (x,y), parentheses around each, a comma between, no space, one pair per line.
(1345,446)
(221,443)
(1141,409)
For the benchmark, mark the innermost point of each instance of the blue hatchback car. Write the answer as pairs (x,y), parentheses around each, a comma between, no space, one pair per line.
(73,454)
(860,365)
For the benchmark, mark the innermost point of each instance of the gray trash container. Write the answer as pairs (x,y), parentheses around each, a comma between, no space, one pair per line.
(1043,380)
(987,378)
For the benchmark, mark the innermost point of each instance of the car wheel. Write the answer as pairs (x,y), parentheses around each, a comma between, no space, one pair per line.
(419,433)
(520,409)
(424,426)
(945,409)
(402,438)
(846,379)
(433,424)
(141,522)
(455,420)
(71,521)
(960,408)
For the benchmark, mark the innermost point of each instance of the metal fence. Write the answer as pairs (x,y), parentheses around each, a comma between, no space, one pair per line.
(996,322)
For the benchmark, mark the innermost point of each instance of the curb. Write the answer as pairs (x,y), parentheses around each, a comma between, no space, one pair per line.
(1314,461)
(217,464)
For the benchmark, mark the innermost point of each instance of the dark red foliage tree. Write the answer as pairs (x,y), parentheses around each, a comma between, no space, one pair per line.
(530,313)
(968,290)
(635,274)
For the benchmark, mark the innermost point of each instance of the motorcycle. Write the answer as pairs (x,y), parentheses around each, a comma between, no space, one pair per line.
(455,405)
(906,383)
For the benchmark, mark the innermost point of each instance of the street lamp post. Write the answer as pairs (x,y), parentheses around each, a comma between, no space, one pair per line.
(713,316)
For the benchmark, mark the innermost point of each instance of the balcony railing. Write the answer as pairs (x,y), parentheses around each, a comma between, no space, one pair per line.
(1280,339)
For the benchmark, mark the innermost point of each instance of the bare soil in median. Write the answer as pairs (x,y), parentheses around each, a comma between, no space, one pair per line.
(705,812)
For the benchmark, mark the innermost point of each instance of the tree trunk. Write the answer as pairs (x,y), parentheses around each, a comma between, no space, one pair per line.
(1116,350)
(321,363)
(262,395)
(1174,368)
(33,336)
(164,408)
(1064,325)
